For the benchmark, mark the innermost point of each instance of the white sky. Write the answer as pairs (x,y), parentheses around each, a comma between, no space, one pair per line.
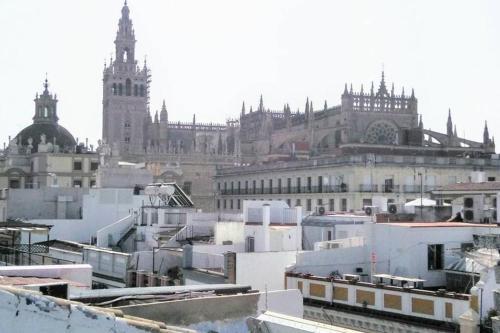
(208,56)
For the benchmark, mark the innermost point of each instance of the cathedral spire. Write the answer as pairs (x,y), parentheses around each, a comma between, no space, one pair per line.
(486,134)
(163,113)
(307,106)
(382,90)
(243,109)
(261,104)
(449,124)
(345,90)
(125,39)
(325,106)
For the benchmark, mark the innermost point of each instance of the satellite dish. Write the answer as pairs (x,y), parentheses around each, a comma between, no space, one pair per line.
(167,190)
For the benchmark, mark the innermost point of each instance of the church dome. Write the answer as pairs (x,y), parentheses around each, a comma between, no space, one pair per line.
(53,133)
(45,124)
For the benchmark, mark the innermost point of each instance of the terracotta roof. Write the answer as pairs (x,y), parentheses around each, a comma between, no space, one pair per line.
(24,281)
(483,186)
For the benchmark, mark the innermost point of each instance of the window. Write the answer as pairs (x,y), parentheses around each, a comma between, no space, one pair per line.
(491,179)
(279,186)
(343,205)
(114,89)
(270,186)
(250,244)
(77,183)
(128,87)
(232,187)
(92,183)
(120,89)
(126,124)
(239,187)
(94,166)
(320,202)
(320,184)
(14,183)
(254,186)
(262,186)
(289,185)
(218,186)
(225,204)
(186,187)
(297,203)
(127,139)
(298,185)
(367,202)
(136,90)
(218,203)
(308,205)
(329,235)
(289,202)
(309,184)
(77,165)
(331,205)
(231,204)
(238,204)
(435,256)
(246,187)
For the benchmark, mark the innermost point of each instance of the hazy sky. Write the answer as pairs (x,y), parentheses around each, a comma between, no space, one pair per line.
(207,57)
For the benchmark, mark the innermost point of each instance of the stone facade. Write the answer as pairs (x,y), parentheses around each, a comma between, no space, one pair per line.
(345,183)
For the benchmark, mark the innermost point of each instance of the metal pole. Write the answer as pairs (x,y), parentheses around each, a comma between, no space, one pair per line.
(421,195)
(29,248)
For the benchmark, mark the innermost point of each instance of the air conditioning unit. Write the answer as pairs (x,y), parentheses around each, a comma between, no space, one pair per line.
(394,208)
(320,210)
(371,210)
(351,277)
(473,208)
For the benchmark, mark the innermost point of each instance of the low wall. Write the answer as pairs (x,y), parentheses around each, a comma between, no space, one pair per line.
(219,313)
(411,302)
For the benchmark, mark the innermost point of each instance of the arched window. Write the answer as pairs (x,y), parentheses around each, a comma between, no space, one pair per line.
(120,89)
(114,89)
(136,89)
(128,87)
(142,90)
(125,55)
(46,112)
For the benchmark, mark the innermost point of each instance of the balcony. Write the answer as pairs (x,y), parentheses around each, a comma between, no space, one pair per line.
(368,188)
(411,189)
(386,188)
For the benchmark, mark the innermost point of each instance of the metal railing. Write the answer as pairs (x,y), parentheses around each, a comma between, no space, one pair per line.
(12,256)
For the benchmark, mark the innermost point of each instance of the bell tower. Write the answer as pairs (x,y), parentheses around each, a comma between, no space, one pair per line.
(125,93)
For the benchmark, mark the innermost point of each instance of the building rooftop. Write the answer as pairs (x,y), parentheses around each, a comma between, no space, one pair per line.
(483,186)
(440,225)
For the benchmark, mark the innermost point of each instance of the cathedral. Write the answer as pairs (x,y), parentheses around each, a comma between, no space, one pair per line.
(128,123)
(375,120)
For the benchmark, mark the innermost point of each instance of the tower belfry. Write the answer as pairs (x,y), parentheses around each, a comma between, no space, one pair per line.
(125,93)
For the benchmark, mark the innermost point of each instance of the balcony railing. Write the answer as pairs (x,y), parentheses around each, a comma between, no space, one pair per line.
(368,188)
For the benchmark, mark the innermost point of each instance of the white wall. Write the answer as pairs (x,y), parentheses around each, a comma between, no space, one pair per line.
(229,231)
(25,311)
(343,260)
(263,269)
(81,273)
